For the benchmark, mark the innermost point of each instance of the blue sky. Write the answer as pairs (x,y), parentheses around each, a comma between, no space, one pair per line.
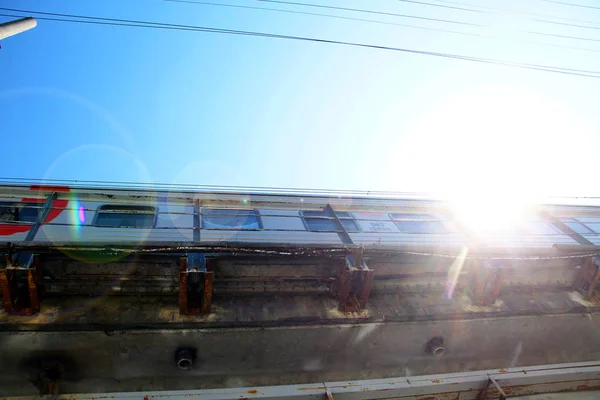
(97,102)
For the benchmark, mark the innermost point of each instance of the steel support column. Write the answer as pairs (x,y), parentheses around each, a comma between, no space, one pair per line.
(485,280)
(195,285)
(588,277)
(22,279)
(22,287)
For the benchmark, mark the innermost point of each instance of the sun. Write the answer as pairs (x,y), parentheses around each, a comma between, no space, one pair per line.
(488,215)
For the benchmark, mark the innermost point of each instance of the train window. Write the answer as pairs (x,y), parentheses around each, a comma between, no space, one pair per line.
(19,212)
(122,216)
(230,219)
(583,225)
(318,221)
(418,223)
(539,228)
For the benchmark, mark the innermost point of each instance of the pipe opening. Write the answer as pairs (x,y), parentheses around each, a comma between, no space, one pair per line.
(184,364)
(184,358)
(439,351)
(436,346)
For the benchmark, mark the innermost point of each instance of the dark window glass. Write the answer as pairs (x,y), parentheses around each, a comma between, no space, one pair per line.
(418,223)
(230,219)
(117,216)
(318,221)
(19,212)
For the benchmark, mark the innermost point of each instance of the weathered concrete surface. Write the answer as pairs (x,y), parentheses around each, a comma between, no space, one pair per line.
(277,324)
(119,312)
(97,361)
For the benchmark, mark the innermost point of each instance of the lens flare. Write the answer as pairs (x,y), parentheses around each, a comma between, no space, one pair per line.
(81,215)
(454,272)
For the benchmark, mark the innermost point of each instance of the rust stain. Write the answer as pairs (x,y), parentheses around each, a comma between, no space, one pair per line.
(522,390)
(146,397)
(503,370)
(253,391)
(436,381)
(439,396)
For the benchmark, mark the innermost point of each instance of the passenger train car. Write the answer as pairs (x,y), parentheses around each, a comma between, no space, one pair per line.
(63,214)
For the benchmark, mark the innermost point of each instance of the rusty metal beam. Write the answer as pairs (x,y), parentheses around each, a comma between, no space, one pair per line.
(485,281)
(195,286)
(588,277)
(22,288)
(354,283)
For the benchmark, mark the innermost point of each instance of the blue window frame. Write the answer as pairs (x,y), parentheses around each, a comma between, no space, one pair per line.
(418,223)
(231,219)
(539,228)
(319,221)
(124,216)
(583,226)
(19,212)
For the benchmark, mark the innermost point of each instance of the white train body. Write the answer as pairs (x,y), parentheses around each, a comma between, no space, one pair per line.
(113,216)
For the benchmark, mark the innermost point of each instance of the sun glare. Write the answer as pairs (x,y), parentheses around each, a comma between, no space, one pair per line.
(494,214)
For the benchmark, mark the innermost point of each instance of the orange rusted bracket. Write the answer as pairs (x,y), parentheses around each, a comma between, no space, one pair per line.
(485,280)
(588,277)
(354,282)
(195,286)
(22,287)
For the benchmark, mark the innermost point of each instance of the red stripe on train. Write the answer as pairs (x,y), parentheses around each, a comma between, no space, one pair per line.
(57,208)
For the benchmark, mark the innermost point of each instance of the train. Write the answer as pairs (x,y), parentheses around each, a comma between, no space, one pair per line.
(75,214)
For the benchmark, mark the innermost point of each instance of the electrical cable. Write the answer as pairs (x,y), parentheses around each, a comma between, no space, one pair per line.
(360,10)
(432,19)
(155,25)
(505,11)
(384,23)
(571,4)
(508,11)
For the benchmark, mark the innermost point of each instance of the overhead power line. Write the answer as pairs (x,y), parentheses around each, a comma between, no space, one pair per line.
(478,35)
(442,6)
(360,10)
(508,11)
(504,11)
(156,25)
(572,4)
(431,19)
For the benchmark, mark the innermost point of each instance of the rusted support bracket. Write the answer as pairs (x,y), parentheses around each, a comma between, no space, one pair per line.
(195,285)
(22,285)
(22,279)
(485,280)
(354,283)
(588,277)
